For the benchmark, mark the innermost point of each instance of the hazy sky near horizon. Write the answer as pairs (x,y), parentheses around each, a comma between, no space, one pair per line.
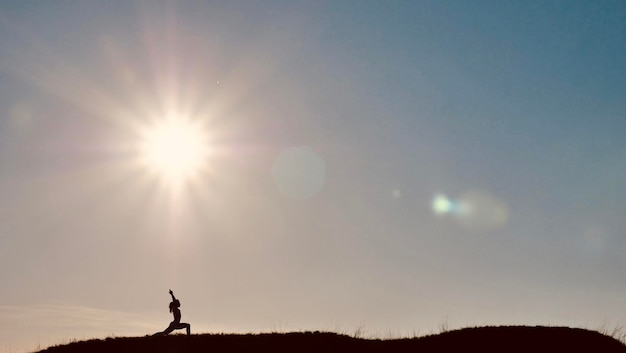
(389,165)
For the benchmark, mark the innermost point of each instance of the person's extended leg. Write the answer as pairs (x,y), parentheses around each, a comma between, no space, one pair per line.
(169,329)
(183,325)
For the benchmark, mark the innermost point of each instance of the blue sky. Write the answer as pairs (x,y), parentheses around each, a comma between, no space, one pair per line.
(333,127)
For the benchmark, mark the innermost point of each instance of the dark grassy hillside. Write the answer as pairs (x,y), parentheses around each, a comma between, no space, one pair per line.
(482,339)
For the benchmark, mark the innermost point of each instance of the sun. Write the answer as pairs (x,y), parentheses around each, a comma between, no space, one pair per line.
(175,149)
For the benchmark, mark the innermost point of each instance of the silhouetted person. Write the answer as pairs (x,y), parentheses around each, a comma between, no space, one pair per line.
(176,324)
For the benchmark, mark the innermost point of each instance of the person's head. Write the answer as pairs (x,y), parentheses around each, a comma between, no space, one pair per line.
(174,304)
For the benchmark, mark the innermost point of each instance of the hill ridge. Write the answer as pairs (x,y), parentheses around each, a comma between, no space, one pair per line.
(483,339)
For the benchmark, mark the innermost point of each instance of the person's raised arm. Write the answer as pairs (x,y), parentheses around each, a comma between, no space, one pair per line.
(172,294)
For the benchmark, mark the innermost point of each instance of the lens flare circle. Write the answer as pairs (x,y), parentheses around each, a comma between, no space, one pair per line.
(442,205)
(482,212)
(474,211)
(174,149)
(299,172)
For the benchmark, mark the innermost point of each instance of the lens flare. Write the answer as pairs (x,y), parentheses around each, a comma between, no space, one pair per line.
(482,212)
(299,172)
(442,205)
(473,211)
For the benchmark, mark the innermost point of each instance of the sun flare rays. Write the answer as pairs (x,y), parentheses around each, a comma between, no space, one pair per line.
(175,149)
